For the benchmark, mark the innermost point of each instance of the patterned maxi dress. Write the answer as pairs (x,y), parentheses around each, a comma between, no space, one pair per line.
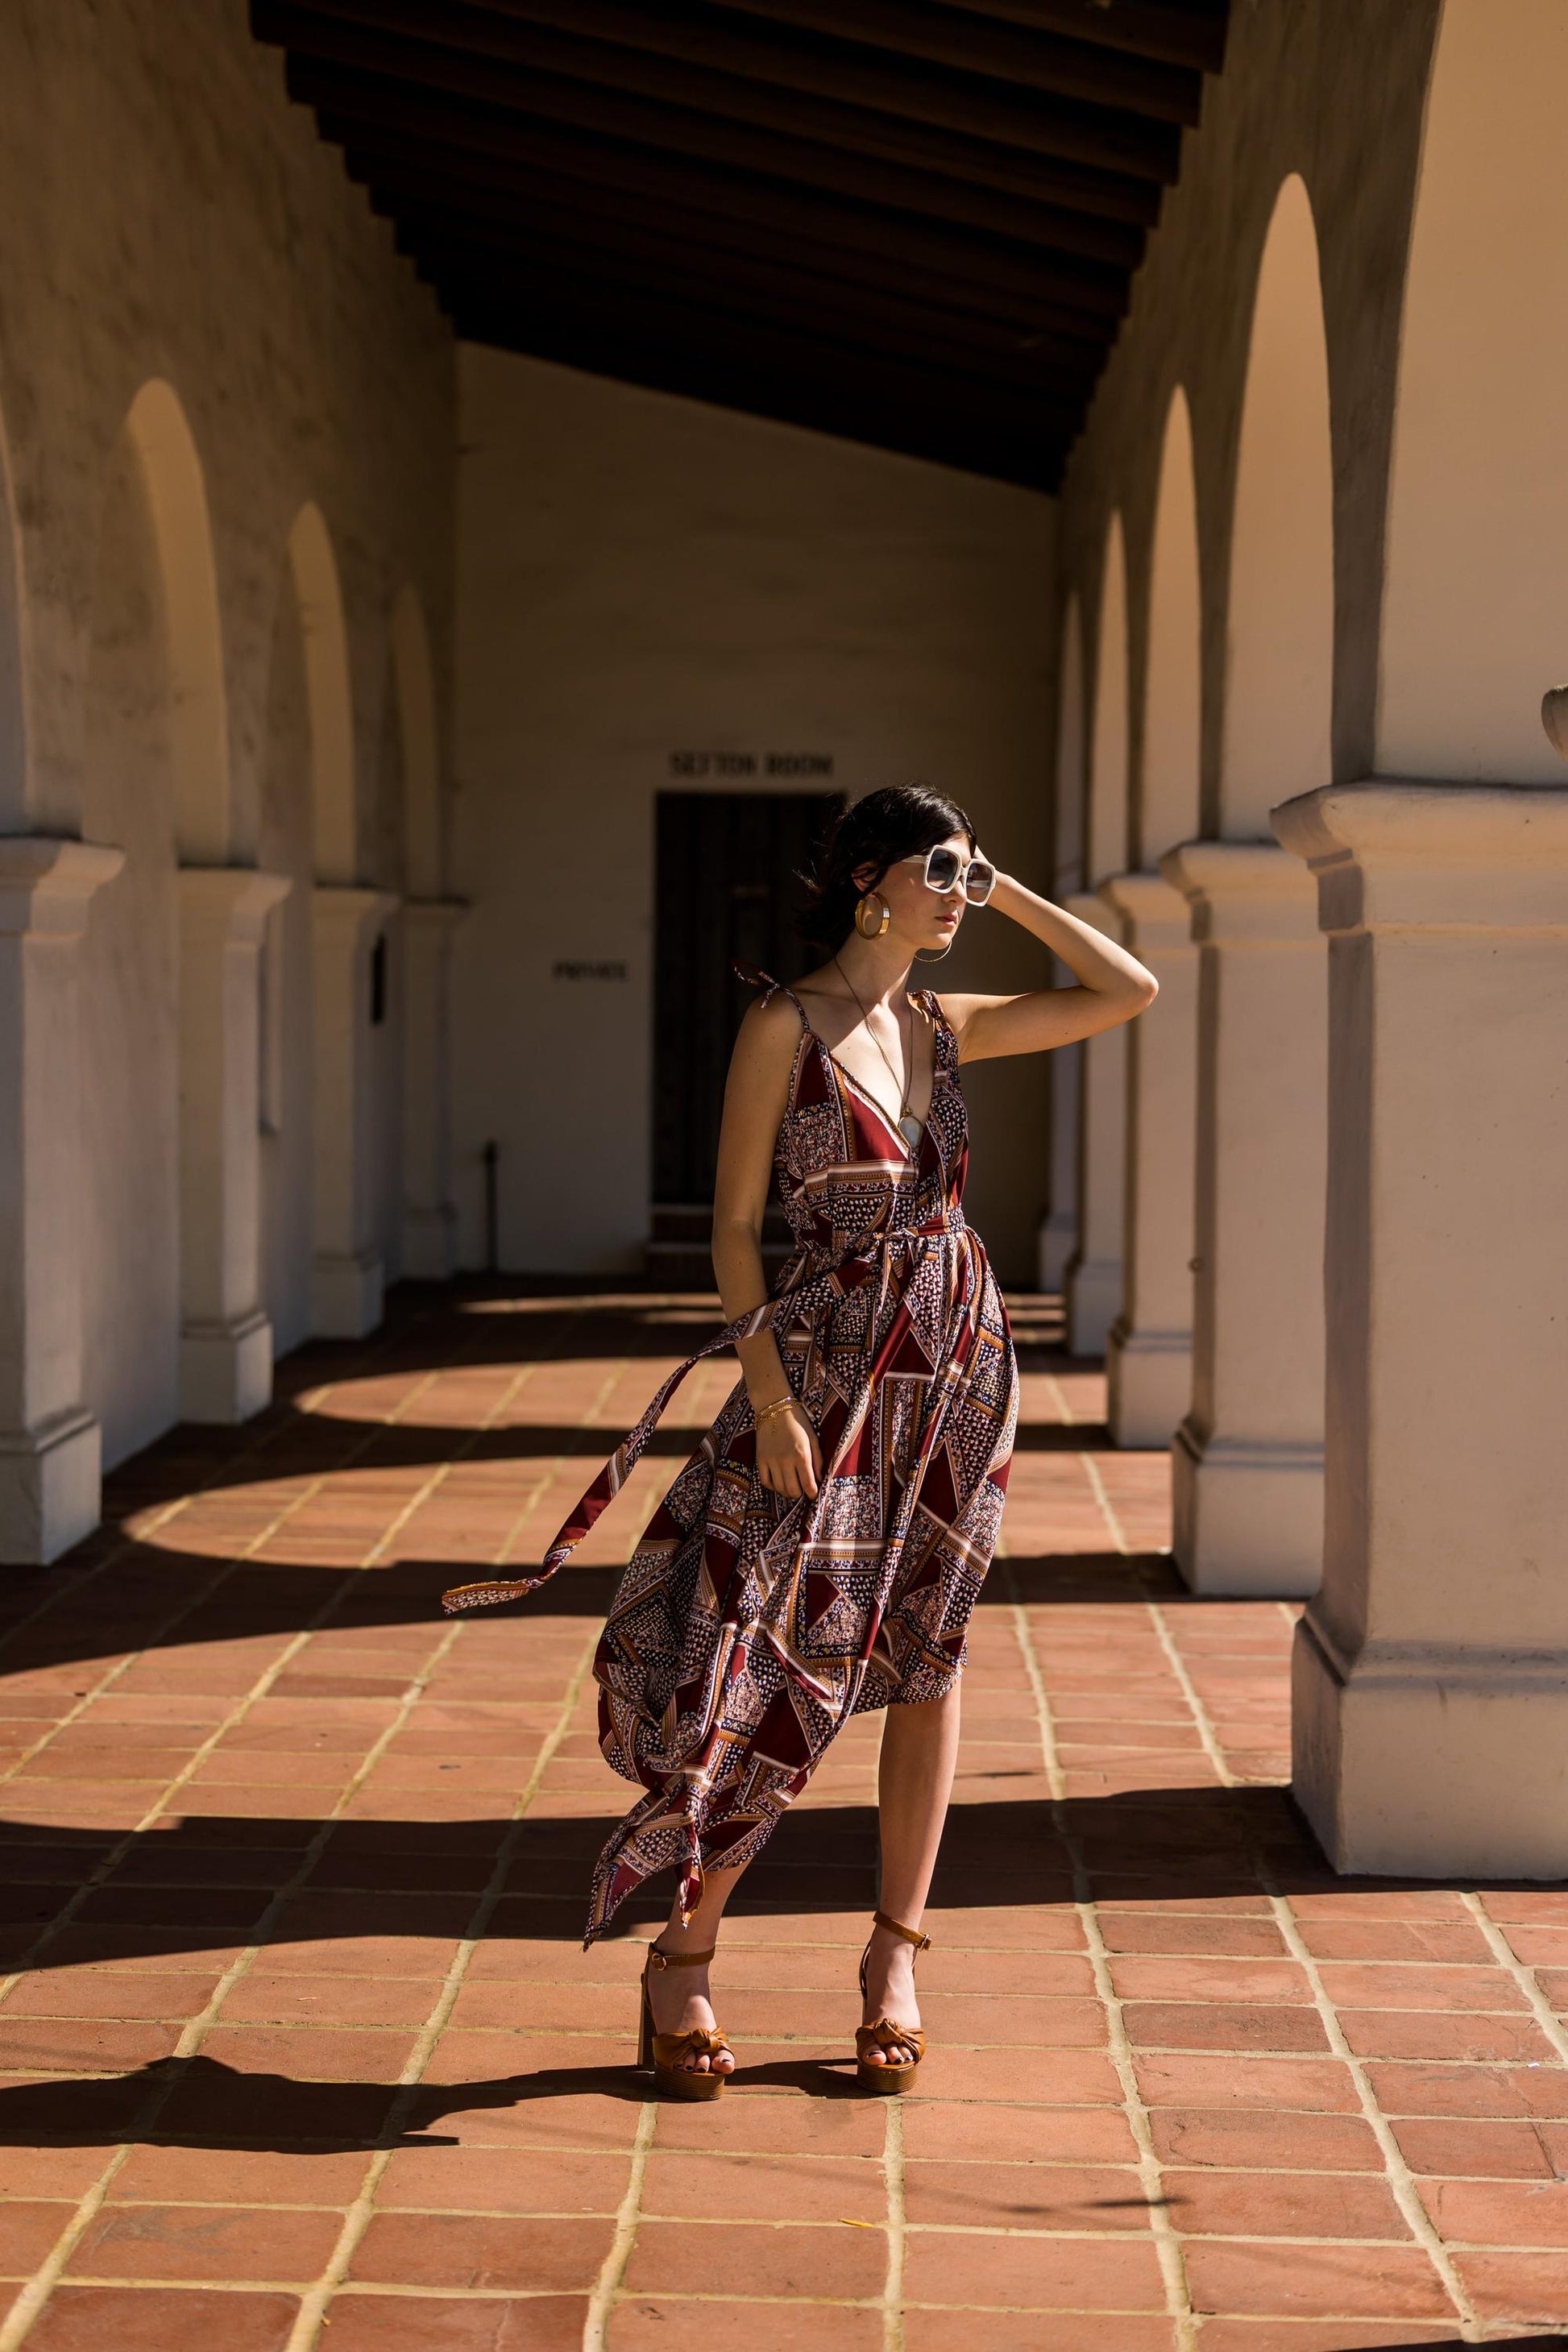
(748,1626)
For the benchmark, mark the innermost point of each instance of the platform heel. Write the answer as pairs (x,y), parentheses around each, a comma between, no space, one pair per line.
(662,2052)
(888,2081)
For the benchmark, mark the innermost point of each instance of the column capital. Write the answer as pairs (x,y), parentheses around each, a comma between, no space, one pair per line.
(347,911)
(440,916)
(1415,855)
(47,882)
(231,902)
(1243,893)
(1155,909)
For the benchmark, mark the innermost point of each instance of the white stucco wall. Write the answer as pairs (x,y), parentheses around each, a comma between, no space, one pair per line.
(641,575)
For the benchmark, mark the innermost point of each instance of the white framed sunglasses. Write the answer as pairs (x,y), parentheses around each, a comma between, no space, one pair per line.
(945,870)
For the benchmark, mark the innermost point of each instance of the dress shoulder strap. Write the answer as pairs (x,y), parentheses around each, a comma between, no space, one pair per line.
(755,978)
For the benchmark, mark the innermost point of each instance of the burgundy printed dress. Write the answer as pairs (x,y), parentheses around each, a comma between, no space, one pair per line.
(748,1626)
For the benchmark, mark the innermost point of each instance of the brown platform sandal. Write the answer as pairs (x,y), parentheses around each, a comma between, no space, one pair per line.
(664,2051)
(888,2081)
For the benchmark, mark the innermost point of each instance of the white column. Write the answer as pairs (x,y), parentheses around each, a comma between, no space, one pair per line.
(225,1338)
(1059,1233)
(346,1276)
(1094,1272)
(1149,1355)
(430,1216)
(1431,1673)
(1248,1458)
(50,1449)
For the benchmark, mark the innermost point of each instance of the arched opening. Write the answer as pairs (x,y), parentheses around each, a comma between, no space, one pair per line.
(198,721)
(1094,1275)
(1475,623)
(1059,1233)
(1173,690)
(1249,1455)
(1107,761)
(1149,1353)
(1279,672)
(328,695)
(287,991)
(130,998)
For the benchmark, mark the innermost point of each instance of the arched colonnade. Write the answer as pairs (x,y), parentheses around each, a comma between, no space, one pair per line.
(204,1042)
(1366,1021)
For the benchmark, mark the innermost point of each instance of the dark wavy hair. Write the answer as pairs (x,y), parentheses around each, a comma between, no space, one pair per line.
(899,821)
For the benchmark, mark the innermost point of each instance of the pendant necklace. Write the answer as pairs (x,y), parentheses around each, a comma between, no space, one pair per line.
(909,1125)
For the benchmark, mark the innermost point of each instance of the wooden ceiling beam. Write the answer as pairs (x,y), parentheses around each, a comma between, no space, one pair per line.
(1190,35)
(961,274)
(757,292)
(1036,58)
(663,55)
(703,354)
(779,187)
(320,46)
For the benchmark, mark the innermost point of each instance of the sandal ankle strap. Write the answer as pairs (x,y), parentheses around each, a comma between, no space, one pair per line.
(658,1959)
(897,1927)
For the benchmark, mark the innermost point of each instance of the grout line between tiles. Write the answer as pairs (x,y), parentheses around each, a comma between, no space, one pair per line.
(1523,1975)
(613,2269)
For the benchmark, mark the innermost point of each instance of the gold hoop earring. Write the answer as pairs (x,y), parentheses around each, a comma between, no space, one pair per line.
(870,926)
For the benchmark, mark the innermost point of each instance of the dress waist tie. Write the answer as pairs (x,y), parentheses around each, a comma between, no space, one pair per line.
(794,1303)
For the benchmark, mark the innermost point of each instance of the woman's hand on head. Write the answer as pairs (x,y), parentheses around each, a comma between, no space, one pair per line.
(789,1459)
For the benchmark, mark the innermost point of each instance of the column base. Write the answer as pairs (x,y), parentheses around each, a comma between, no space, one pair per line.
(50,1488)
(1448,1763)
(225,1369)
(430,1243)
(1149,1377)
(346,1293)
(1248,1518)
(1094,1301)
(1058,1240)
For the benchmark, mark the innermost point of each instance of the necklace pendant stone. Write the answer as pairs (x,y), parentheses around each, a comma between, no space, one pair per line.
(911,1130)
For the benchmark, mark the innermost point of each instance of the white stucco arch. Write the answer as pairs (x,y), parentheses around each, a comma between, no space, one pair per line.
(329,696)
(1474,622)
(1173,708)
(1107,765)
(1279,670)
(414,681)
(1070,808)
(173,480)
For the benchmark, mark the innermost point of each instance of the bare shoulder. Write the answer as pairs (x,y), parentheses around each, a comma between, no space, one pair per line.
(769,1033)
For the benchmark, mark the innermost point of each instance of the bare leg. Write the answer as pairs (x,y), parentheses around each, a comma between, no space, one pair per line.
(679,1996)
(914,1781)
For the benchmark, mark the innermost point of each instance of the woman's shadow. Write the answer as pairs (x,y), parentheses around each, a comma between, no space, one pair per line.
(201,2103)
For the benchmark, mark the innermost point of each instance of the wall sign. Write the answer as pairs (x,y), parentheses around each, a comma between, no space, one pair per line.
(751,763)
(587,967)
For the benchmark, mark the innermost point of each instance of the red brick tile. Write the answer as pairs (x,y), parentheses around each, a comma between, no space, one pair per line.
(195,2175)
(1388,1985)
(647,2324)
(66,2046)
(1033,2273)
(1321,2085)
(1430,2034)
(1223,2026)
(298,2000)
(679,2186)
(1495,2151)
(503,2180)
(463,2250)
(1528,2289)
(1310,2282)
(104,1993)
(321,2057)
(1005,2331)
(27,2231)
(159,2319)
(373,2322)
(1319,2336)
(205,2242)
(830,2261)
(1283,2205)
(1459,1941)
(1499,2212)
(1016,2196)
(1039,2076)
(1460,2090)
(759,2120)
(47,2172)
(1245,2140)
(1165,1931)
(1145,1978)
(1027,2135)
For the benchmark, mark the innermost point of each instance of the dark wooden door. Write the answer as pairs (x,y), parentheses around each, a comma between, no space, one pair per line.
(726,868)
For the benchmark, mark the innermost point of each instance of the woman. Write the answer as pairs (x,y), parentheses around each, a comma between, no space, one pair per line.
(821,1552)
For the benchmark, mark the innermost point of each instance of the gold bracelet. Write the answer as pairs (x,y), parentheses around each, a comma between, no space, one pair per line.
(767,1412)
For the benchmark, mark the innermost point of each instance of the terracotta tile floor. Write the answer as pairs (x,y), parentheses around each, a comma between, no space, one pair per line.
(299,2048)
